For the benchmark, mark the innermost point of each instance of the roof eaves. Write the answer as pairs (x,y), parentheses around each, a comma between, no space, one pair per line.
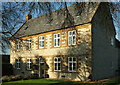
(18,30)
(55,29)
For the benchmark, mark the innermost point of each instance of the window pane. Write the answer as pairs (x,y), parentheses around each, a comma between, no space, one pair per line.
(70,59)
(39,38)
(55,66)
(59,59)
(42,38)
(70,40)
(74,32)
(55,59)
(54,35)
(58,66)
(70,33)
(74,66)
(55,42)
(27,65)
(42,43)
(70,66)
(74,59)
(30,65)
(74,40)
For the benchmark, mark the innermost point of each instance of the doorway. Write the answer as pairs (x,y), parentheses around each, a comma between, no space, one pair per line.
(41,63)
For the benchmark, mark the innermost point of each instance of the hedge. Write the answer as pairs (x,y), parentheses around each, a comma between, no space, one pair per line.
(7,69)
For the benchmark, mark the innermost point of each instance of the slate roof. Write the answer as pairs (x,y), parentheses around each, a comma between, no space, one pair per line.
(60,19)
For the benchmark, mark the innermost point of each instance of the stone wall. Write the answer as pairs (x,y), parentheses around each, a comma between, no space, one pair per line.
(104,53)
(82,50)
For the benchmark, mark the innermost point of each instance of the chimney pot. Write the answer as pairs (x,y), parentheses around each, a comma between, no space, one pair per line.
(28,16)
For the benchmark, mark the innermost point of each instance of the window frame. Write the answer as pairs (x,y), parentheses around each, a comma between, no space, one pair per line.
(18,45)
(72,35)
(29,44)
(41,40)
(57,62)
(18,63)
(29,64)
(56,45)
(72,64)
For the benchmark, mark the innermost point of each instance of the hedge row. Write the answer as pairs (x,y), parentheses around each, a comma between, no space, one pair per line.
(18,77)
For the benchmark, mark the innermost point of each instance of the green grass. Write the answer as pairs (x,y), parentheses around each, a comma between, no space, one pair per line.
(115,81)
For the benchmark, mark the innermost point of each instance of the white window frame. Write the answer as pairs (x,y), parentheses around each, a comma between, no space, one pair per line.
(56,39)
(57,63)
(18,45)
(29,44)
(29,63)
(18,63)
(72,35)
(72,64)
(41,40)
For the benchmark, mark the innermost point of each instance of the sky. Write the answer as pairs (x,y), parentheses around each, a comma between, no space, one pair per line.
(117,30)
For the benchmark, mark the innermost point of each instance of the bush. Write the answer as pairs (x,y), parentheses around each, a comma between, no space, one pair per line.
(5,79)
(17,77)
(7,69)
(34,76)
(26,77)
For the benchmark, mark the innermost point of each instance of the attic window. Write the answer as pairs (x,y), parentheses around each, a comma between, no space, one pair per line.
(25,28)
(50,21)
(78,13)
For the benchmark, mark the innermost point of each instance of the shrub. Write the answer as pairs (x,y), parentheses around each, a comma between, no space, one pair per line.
(7,69)
(34,76)
(16,77)
(26,77)
(5,79)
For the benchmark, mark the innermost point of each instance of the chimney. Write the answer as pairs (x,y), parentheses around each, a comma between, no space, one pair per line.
(28,16)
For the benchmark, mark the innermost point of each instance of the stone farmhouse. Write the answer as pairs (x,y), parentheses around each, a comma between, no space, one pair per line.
(76,43)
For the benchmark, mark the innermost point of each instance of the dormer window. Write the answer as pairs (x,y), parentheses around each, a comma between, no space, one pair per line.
(49,21)
(78,13)
(25,28)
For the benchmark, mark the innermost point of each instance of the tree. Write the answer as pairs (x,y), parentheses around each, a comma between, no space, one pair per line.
(45,67)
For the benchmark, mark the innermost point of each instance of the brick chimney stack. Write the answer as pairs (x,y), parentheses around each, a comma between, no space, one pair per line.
(28,16)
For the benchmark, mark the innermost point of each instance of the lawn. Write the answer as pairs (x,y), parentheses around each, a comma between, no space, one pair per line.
(115,81)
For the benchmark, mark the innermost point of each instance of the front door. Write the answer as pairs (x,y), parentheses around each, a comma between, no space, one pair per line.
(41,62)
